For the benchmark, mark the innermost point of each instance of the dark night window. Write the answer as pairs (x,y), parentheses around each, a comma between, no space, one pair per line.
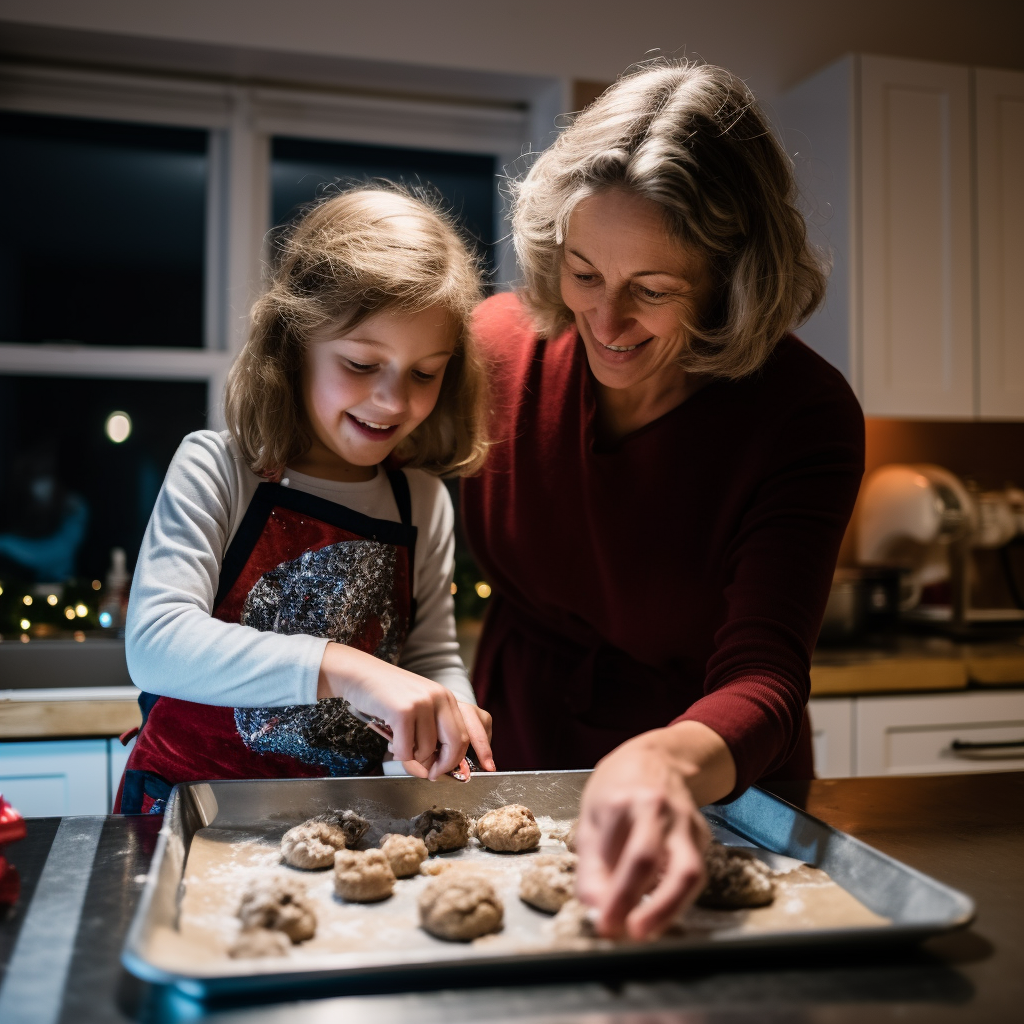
(303,170)
(104,232)
(81,462)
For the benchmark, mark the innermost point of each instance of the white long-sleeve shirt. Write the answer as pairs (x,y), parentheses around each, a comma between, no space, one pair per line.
(174,646)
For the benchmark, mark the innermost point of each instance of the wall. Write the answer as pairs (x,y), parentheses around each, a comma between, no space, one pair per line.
(771,45)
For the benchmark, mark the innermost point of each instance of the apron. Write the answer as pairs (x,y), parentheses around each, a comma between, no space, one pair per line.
(298,564)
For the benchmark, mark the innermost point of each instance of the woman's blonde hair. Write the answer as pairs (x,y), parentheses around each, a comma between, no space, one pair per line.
(353,255)
(691,138)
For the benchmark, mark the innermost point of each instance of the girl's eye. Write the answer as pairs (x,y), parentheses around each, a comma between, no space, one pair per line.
(361,367)
(423,378)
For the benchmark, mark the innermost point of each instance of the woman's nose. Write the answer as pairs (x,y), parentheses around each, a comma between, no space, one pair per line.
(610,318)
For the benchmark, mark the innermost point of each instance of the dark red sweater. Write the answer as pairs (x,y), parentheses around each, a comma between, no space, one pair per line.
(682,573)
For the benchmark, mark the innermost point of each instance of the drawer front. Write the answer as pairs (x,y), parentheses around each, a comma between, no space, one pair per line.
(940,734)
(832,733)
(55,777)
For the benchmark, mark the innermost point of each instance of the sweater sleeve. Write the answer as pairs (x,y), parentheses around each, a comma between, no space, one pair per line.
(174,646)
(780,569)
(431,649)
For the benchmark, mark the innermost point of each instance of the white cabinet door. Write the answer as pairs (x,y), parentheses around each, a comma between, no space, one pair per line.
(939,733)
(999,99)
(55,777)
(915,202)
(832,732)
(118,759)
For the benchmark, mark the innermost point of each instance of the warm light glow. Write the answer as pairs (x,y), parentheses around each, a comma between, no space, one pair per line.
(79,636)
(118,426)
(27,599)
(24,638)
(455,589)
(25,624)
(96,584)
(483,590)
(1,591)
(69,613)
(51,599)
(81,610)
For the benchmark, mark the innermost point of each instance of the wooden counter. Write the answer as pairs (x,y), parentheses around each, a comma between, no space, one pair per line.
(68,712)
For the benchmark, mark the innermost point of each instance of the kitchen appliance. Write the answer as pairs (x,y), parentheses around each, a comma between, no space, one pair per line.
(927,521)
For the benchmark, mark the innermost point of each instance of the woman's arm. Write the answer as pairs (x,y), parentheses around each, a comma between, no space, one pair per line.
(641,829)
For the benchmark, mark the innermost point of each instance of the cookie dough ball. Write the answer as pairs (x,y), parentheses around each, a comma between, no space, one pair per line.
(435,867)
(509,829)
(549,882)
(573,921)
(442,829)
(259,942)
(404,853)
(312,844)
(736,878)
(353,826)
(363,876)
(460,906)
(568,835)
(280,906)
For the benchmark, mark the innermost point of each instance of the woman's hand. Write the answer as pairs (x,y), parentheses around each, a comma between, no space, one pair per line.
(641,831)
(426,721)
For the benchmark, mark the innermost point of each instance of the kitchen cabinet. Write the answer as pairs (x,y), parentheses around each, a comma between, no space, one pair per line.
(999,120)
(893,158)
(918,734)
(56,777)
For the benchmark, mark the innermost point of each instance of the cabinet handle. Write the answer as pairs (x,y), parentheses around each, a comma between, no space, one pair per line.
(985,751)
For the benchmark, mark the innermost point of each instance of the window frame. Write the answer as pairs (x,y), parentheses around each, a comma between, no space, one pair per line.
(241,120)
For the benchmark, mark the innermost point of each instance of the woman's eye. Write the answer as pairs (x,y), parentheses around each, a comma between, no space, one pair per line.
(585,278)
(648,294)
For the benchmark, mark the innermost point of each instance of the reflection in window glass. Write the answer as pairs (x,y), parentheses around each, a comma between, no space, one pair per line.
(104,228)
(81,462)
(304,170)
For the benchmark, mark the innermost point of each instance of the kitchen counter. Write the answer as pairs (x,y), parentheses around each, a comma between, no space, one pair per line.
(916,663)
(967,831)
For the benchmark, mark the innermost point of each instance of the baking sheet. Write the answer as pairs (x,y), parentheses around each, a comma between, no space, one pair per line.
(219,836)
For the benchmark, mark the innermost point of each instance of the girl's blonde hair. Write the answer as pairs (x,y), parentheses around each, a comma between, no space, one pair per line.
(352,255)
(692,139)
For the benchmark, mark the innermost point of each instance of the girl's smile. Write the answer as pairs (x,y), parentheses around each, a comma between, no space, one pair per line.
(367,389)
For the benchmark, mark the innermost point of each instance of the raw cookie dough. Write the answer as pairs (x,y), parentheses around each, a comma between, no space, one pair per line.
(279,905)
(568,835)
(509,829)
(549,881)
(354,827)
(736,878)
(363,876)
(573,921)
(258,942)
(312,844)
(435,867)
(460,906)
(405,854)
(442,829)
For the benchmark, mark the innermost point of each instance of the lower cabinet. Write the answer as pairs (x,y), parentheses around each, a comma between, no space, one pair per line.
(918,734)
(50,778)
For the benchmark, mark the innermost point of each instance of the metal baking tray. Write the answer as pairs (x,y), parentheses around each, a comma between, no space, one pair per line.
(916,905)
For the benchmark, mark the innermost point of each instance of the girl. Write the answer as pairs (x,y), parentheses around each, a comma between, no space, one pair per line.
(287,577)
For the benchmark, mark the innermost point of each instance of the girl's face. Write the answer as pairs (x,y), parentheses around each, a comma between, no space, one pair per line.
(632,287)
(366,389)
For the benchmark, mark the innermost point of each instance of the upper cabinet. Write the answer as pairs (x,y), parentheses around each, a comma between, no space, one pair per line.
(913,177)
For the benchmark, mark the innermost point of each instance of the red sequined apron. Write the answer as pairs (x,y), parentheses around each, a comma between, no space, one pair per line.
(298,564)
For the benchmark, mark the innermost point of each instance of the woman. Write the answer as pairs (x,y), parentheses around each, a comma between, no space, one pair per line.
(670,481)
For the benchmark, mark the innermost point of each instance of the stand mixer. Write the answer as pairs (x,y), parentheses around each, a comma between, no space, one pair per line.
(925,520)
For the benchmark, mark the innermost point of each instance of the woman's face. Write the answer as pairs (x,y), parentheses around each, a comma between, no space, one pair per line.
(632,287)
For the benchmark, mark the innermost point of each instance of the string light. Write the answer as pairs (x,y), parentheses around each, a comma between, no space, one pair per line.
(81,611)
(25,624)
(27,599)
(483,589)
(118,426)
(69,613)
(455,590)
(51,600)
(96,584)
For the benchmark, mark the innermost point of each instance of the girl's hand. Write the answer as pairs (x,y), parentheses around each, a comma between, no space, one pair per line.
(424,717)
(641,831)
(478,725)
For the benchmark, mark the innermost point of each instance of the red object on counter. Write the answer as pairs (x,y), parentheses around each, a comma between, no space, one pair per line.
(12,824)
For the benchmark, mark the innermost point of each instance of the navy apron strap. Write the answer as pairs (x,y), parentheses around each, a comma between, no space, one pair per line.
(400,488)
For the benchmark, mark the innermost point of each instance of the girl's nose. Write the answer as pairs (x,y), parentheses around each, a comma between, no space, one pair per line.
(393,395)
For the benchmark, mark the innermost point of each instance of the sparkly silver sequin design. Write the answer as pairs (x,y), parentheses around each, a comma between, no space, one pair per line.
(342,592)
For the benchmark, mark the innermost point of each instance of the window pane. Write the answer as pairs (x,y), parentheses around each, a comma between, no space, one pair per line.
(104,228)
(302,170)
(68,493)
